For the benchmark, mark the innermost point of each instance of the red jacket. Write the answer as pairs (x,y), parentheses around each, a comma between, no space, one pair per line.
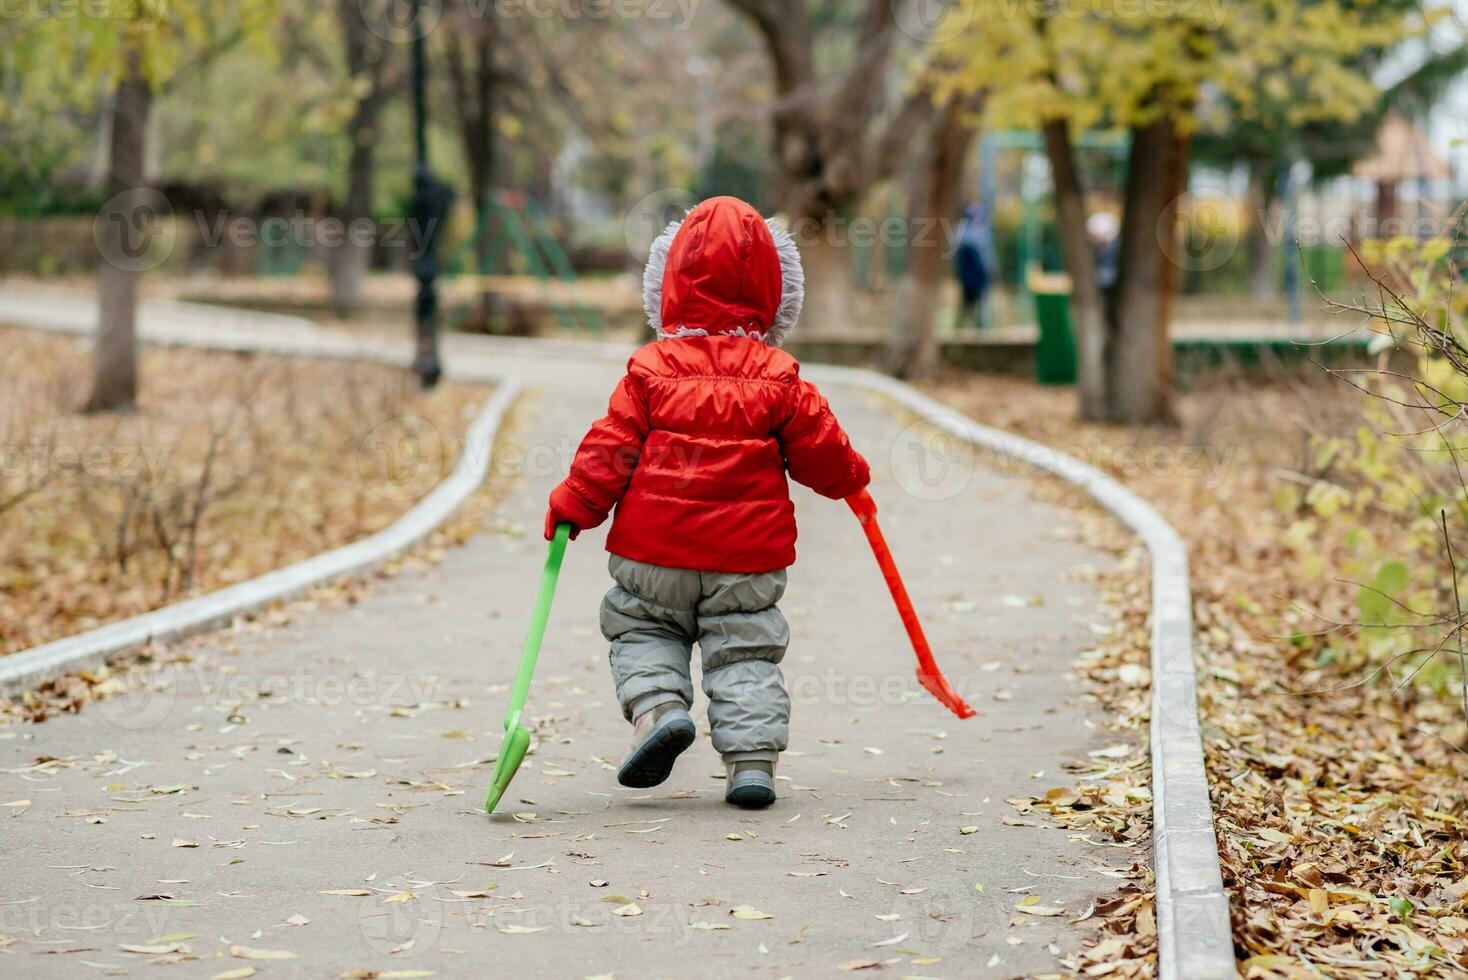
(699,435)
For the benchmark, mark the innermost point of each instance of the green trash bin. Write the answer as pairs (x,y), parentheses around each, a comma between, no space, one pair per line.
(1326,267)
(1055,353)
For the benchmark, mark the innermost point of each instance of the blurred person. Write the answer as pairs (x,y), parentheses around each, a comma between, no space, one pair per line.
(1104,230)
(974,264)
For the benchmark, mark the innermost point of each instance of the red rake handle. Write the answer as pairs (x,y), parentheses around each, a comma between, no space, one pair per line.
(928,674)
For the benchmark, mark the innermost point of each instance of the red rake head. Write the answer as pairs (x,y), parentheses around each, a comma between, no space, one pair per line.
(939,687)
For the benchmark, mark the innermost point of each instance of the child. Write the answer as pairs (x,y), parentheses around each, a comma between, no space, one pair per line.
(693,454)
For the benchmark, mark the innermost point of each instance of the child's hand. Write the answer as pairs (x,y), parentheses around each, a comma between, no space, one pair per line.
(551,520)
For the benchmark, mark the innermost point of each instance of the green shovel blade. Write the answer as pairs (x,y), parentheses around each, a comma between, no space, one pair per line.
(517,737)
(512,753)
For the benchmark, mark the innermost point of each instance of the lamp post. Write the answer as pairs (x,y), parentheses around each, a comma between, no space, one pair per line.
(431,201)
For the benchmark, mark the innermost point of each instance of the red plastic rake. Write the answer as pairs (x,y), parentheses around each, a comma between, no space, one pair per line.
(928,674)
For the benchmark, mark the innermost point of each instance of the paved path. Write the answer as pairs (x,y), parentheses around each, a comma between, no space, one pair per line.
(346,752)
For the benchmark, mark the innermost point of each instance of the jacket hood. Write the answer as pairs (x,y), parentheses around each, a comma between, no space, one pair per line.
(723,269)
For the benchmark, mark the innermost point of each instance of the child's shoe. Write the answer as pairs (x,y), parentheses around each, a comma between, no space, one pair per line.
(659,736)
(750,784)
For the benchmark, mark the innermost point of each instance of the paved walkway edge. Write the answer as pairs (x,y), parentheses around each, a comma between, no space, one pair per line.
(1195,937)
(24,670)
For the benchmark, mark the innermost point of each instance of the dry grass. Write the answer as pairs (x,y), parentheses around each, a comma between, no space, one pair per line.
(1341,817)
(231,466)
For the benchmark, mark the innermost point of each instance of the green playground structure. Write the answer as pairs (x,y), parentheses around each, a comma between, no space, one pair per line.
(511,227)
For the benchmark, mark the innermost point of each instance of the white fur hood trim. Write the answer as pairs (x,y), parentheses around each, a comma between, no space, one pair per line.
(792,288)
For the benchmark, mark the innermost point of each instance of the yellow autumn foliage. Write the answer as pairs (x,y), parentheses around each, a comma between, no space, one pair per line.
(1123,62)
(78,49)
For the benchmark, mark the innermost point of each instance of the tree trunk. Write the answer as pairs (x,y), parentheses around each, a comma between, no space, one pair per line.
(830,279)
(913,349)
(473,81)
(829,148)
(121,235)
(1386,209)
(1262,284)
(1086,305)
(348,261)
(1140,362)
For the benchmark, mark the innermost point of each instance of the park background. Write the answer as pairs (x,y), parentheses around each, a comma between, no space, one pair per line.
(1272,353)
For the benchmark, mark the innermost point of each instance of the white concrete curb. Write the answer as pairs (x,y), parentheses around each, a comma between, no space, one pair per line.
(24,670)
(1195,937)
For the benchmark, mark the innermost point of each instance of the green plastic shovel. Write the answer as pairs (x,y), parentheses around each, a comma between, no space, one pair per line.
(517,738)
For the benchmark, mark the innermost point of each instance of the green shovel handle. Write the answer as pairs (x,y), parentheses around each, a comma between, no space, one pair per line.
(541,616)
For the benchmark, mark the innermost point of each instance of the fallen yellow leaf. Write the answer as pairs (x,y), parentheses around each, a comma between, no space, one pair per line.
(749,912)
(248,953)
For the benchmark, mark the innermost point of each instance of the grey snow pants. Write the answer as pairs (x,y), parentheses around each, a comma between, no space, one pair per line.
(654,615)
